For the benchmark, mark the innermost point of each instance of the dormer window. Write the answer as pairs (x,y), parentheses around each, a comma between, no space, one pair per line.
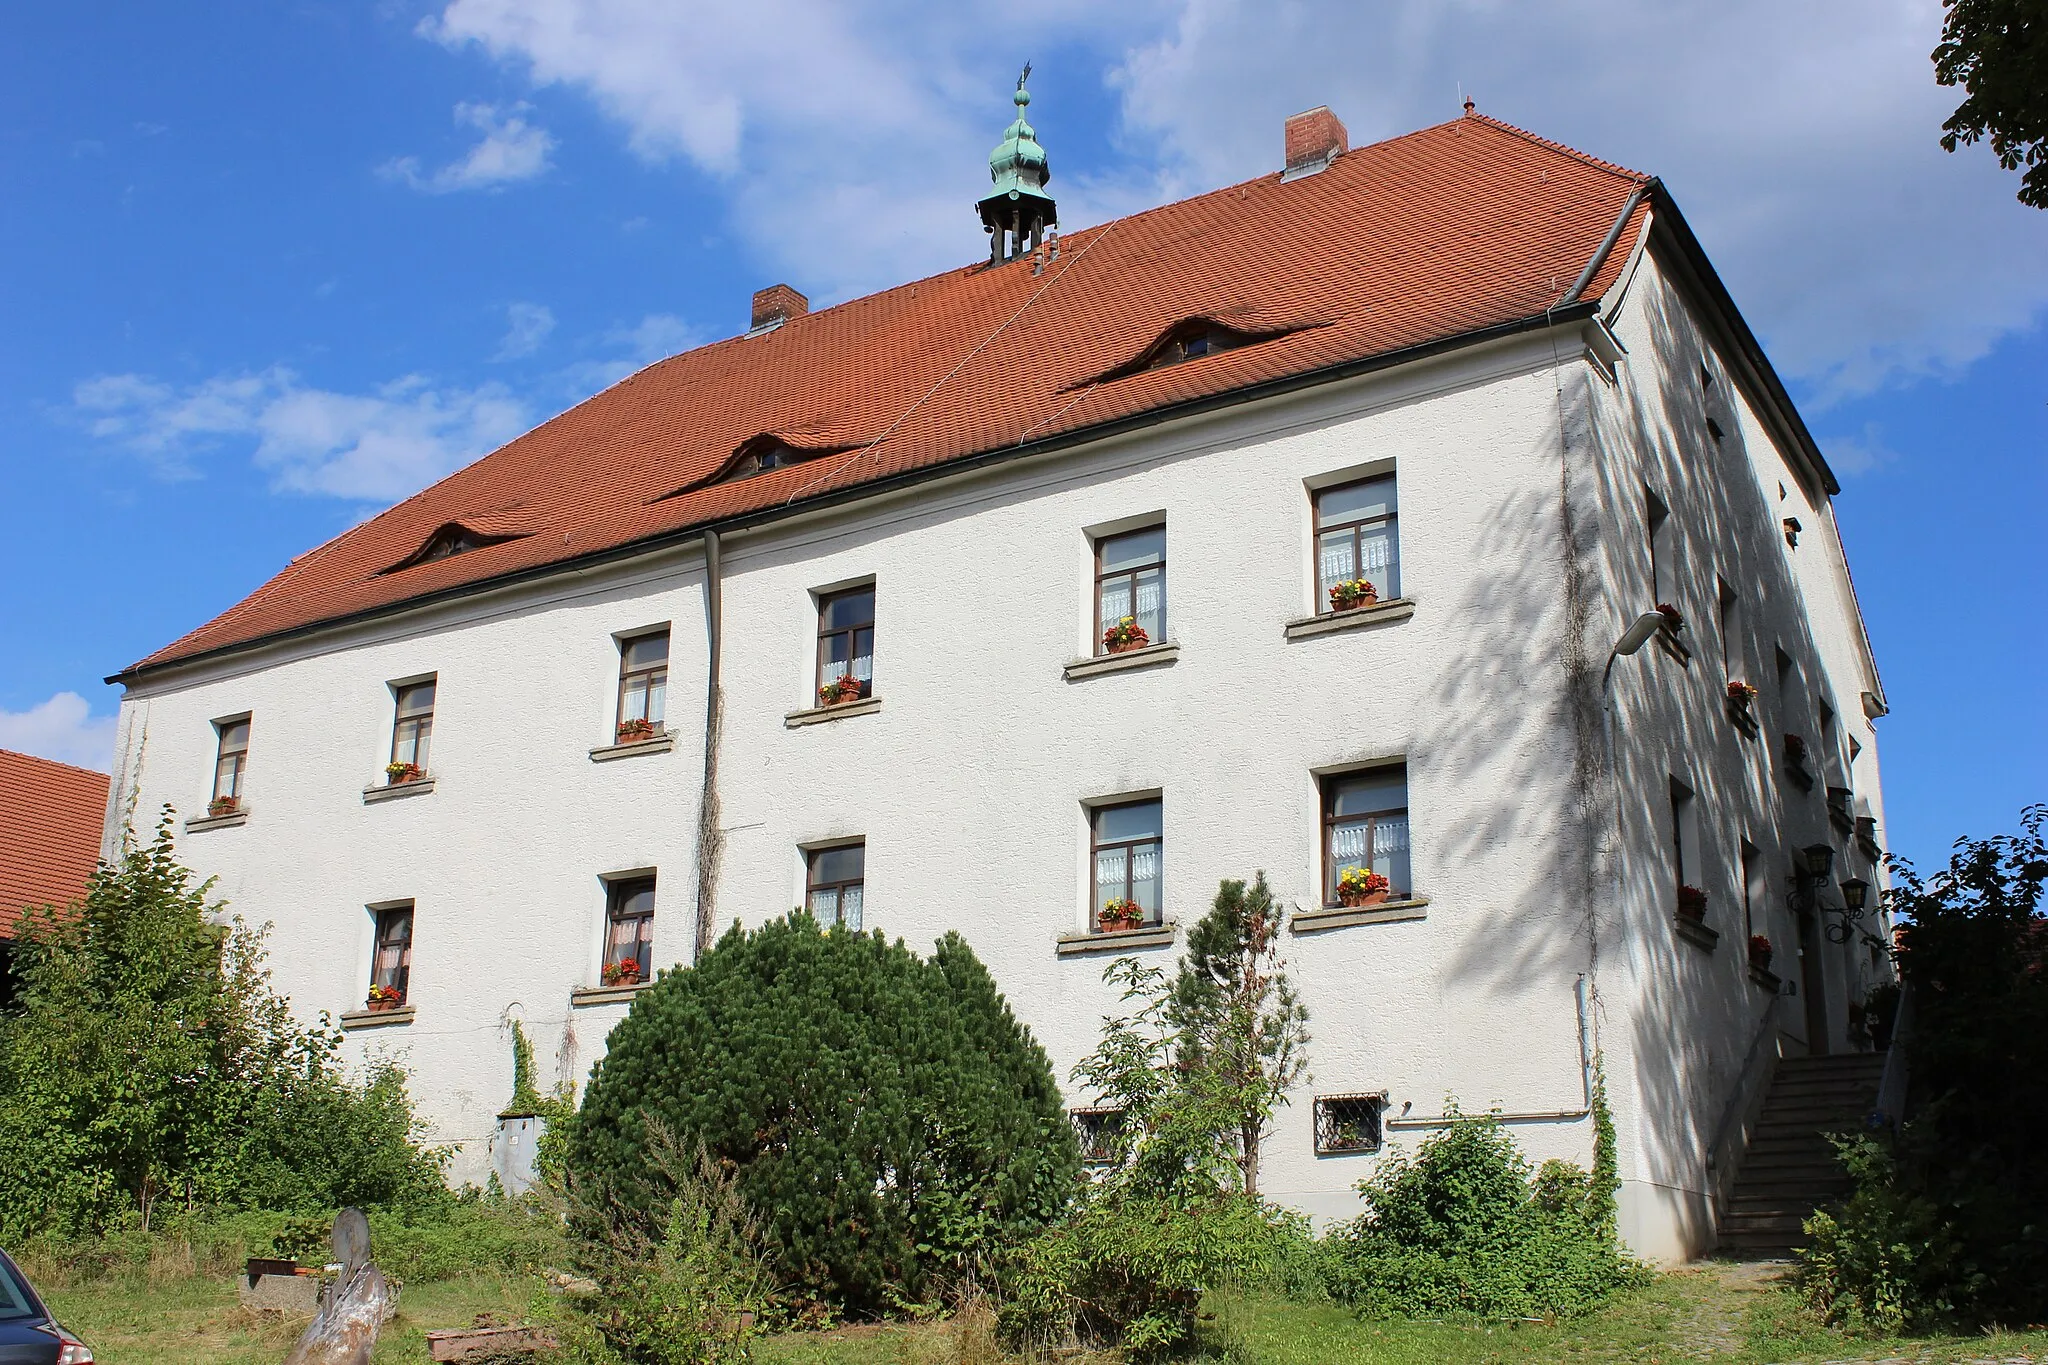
(758,455)
(452,539)
(1191,340)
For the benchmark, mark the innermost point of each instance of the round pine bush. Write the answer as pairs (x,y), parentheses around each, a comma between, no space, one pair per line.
(889,1119)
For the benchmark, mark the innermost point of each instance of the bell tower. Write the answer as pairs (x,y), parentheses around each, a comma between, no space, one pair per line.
(1016,213)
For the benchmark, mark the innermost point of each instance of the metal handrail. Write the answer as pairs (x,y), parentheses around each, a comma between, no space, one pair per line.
(1739,1095)
(1891,1087)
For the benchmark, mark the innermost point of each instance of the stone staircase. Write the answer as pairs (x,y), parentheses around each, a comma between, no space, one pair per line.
(1790,1168)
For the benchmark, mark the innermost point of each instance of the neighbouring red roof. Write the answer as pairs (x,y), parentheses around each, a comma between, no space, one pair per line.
(1446,231)
(50,819)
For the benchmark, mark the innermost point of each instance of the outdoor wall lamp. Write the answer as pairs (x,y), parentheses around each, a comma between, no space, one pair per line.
(1820,862)
(1817,864)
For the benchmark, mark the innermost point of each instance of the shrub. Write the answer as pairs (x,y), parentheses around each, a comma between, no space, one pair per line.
(149,1067)
(1946,1227)
(1464,1227)
(690,1287)
(888,1116)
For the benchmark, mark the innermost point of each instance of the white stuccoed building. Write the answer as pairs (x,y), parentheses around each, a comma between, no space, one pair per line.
(1493,377)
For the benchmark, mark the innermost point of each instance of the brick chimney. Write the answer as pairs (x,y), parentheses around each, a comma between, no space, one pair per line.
(1314,140)
(777,304)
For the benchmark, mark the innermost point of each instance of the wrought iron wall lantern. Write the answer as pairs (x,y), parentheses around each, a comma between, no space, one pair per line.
(1816,866)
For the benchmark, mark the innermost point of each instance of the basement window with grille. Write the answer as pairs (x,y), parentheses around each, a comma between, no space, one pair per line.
(1349,1123)
(1096,1127)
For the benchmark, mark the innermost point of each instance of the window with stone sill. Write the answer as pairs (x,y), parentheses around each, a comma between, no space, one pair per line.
(1096,1127)
(231,759)
(835,884)
(1357,541)
(1365,826)
(643,684)
(412,726)
(1127,844)
(1349,1123)
(391,960)
(846,642)
(1130,585)
(629,931)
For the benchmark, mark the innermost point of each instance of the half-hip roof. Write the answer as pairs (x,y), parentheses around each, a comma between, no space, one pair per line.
(51,815)
(1458,229)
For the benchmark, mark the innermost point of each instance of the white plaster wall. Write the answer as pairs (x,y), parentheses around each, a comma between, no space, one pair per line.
(969,783)
(1691,1016)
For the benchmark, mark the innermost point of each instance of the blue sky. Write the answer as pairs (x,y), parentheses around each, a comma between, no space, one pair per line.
(270,267)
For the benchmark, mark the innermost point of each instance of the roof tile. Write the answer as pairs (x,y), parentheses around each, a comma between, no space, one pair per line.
(51,815)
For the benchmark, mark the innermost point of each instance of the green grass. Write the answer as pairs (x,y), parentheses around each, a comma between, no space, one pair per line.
(1731,1315)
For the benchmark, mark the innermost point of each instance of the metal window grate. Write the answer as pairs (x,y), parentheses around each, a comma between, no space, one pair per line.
(1096,1127)
(1349,1123)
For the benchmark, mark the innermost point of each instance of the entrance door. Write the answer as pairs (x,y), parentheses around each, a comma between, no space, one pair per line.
(1813,985)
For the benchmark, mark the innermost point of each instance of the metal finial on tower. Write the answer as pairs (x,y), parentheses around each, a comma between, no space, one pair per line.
(1017,212)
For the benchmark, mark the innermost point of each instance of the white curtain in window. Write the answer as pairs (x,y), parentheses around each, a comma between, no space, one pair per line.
(1145,876)
(849,907)
(1152,607)
(863,667)
(1334,561)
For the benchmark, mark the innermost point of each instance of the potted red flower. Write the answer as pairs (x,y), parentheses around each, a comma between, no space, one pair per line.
(1356,592)
(223,805)
(1692,903)
(382,998)
(634,730)
(1126,634)
(1674,619)
(845,688)
(1740,695)
(1119,915)
(625,972)
(1760,952)
(1361,886)
(398,774)
(1795,750)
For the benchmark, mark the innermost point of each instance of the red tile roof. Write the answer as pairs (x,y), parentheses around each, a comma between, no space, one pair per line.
(50,820)
(1451,230)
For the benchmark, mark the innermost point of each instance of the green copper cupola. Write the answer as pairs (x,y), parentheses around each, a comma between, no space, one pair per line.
(1016,213)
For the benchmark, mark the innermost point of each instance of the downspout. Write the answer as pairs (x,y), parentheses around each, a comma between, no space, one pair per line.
(710,818)
(1536,1116)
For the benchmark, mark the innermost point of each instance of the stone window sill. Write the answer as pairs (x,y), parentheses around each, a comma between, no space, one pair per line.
(1674,646)
(818,715)
(361,1019)
(1151,936)
(1800,776)
(1346,916)
(606,995)
(1331,622)
(1764,977)
(1695,933)
(1741,719)
(228,821)
(653,744)
(1164,652)
(419,786)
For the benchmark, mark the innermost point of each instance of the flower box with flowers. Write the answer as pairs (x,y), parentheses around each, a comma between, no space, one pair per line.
(398,774)
(1760,952)
(1362,886)
(1740,695)
(843,689)
(1692,904)
(634,730)
(383,998)
(1352,594)
(1120,915)
(223,805)
(626,973)
(1125,636)
(1674,619)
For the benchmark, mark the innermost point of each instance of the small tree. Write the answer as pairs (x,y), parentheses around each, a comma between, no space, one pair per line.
(888,1116)
(148,1059)
(1997,50)
(1235,1014)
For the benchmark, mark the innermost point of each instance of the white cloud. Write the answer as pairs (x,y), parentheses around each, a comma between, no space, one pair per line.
(511,150)
(526,326)
(627,349)
(376,447)
(1858,454)
(1799,139)
(62,728)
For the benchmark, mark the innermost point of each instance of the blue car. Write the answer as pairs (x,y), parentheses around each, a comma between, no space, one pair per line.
(28,1334)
